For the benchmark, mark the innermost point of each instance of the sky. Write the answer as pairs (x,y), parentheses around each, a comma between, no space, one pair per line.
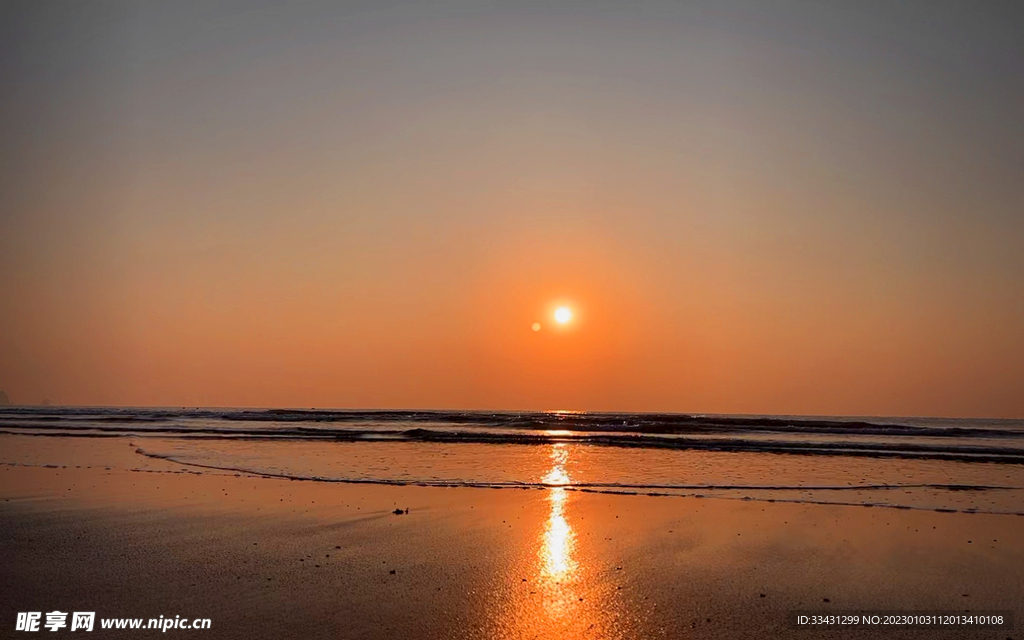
(750,207)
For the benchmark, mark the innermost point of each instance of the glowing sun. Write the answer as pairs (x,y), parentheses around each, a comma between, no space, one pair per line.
(563,315)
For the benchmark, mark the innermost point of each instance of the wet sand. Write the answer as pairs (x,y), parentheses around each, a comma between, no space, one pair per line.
(103,529)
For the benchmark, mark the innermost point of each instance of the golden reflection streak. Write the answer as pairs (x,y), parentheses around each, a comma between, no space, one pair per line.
(563,599)
(558,539)
(556,552)
(566,597)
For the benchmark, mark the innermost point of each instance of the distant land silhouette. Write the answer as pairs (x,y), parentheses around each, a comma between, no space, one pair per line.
(4,400)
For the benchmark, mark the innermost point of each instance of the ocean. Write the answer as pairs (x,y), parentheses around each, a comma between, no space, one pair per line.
(954,465)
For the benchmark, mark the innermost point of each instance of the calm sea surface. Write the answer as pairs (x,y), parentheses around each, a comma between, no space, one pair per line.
(970,465)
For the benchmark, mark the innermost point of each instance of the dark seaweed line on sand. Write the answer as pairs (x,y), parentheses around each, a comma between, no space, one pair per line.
(543,485)
(580,487)
(588,485)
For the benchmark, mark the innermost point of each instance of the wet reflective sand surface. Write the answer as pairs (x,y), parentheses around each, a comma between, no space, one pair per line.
(270,558)
(564,593)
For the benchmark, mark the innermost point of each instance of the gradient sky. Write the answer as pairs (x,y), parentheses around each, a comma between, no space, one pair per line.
(757,207)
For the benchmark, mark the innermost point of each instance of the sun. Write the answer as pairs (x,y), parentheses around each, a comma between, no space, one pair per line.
(563,315)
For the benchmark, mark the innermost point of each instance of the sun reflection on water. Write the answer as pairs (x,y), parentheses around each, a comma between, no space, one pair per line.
(563,597)
(559,540)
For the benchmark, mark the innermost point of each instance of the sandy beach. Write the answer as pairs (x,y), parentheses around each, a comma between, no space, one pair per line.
(89,525)
(560,320)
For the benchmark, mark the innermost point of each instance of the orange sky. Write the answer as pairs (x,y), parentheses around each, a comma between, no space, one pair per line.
(355,206)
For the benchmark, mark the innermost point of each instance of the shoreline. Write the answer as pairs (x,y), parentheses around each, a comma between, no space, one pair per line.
(243,551)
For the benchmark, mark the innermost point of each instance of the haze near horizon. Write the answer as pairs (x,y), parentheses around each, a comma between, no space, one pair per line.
(744,207)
